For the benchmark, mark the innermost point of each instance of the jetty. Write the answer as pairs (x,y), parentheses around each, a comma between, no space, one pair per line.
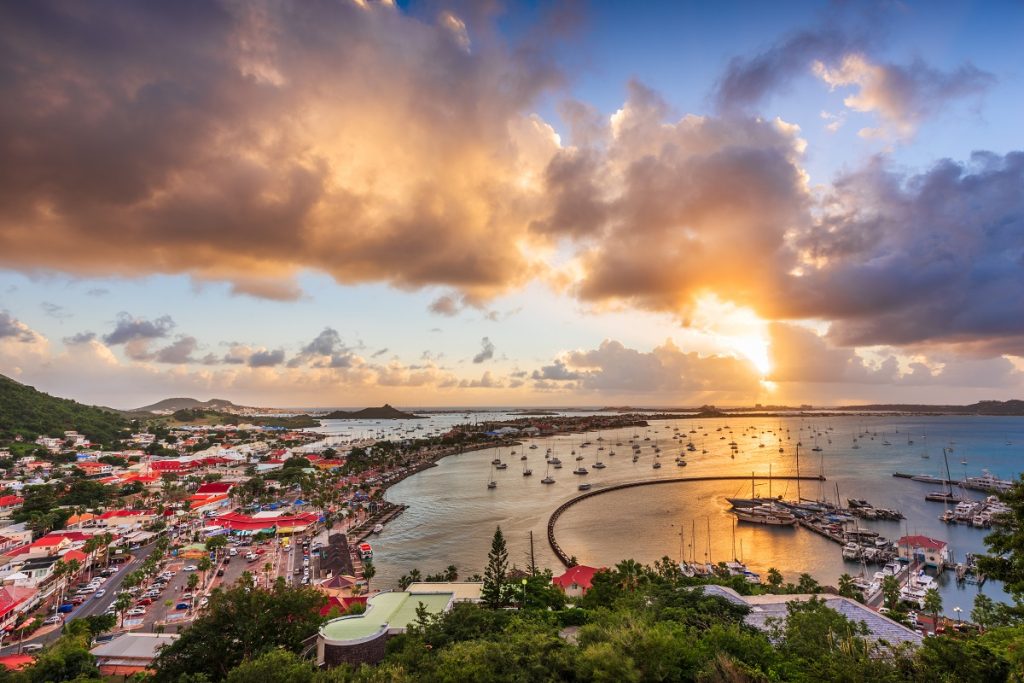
(566,559)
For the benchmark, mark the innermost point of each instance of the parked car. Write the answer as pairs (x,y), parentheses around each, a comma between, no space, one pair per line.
(145,602)
(204,602)
(191,568)
(77,600)
(99,594)
(65,608)
(136,612)
(181,605)
(31,647)
(55,619)
(220,572)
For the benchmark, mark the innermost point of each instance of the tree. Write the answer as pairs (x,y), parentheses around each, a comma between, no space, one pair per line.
(891,592)
(369,571)
(204,565)
(847,587)
(933,605)
(1005,560)
(123,603)
(193,582)
(216,543)
(241,624)
(985,613)
(273,666)
(775,579)
(493,593)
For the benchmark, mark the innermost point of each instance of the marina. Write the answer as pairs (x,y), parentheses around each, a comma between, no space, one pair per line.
(448,518)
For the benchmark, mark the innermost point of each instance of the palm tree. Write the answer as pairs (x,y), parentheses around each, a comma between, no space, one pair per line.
(933,604)
(631,574)
(891,591)
(204,566)
(846,586)
(123,602)
(774,577)
(369,571)
(267,568)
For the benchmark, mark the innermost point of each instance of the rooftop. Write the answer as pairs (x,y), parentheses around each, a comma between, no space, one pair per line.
(384,610)
(133,646)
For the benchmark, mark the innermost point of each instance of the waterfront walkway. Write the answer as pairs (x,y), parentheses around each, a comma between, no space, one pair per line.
(566,559)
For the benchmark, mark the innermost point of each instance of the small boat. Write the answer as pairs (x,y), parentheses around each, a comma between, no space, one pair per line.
(501,466)
(635,458)
(378,528)
(492,484)
(523,456)
(580,470)
(656,465)
(680,463)
(365,551)
(598,465)
(852,551)
(547,477)
(584,487)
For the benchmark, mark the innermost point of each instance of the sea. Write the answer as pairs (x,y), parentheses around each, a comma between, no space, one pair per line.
(452,514)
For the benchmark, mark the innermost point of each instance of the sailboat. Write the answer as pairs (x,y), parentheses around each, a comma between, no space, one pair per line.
(492,484)
(527,471)
(547,476)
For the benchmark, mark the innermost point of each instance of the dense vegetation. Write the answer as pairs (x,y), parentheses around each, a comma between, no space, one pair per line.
(29,413)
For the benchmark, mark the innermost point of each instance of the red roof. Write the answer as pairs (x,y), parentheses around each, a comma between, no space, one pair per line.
(215,487)
(75,555)
(127,513)
(240,522)
(580,575)
(7,501)
(922,542)
(12,596)
(16,662)
(341,603)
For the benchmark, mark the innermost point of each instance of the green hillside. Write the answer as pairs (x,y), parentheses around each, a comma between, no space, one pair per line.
(30,413)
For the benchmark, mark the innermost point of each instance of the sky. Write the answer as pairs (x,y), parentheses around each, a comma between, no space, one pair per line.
(352,202)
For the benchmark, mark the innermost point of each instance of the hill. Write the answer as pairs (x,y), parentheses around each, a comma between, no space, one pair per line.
(385,412)
(1013,407)
(29,413)
(204,417)
(173,404)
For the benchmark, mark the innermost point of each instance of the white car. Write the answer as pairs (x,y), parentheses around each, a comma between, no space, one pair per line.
(53,620)
(136,612)
(99,594)
(191,568)
(32,647)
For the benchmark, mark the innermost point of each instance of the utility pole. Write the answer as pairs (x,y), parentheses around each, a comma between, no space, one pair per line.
(533,560)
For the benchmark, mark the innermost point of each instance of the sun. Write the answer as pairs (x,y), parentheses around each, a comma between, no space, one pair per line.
(738,329)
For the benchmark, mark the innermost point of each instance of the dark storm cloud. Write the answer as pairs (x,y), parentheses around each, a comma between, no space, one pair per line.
(932,258)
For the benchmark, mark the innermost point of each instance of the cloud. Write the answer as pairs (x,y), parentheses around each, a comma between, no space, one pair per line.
(56,311)
(557,371)
(266,359)
(932,258)
(80,338)
(380,352)
(98,291)
(179,352)
(748,81)
(13,329)
(666,371)
(129,328)
(248,142)
(901,95)
(486,351)
(446,305)
(687,206)
(326,350)
(800,355)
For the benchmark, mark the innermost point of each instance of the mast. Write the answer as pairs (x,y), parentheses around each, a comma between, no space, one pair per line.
(709,540)
(734,538)
(798,472)
(949,479)
(769,480)
(693,541)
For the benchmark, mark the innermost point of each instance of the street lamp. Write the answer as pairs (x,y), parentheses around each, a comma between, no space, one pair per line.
(524,593)
(958,611)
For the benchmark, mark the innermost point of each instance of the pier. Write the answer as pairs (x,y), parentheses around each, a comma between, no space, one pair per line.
(565,558)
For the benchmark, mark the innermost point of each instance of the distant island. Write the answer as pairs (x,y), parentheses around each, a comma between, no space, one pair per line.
(1013,407)
(385,412)
(171,405)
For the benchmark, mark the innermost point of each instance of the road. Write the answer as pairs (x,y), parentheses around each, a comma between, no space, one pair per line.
(92,605)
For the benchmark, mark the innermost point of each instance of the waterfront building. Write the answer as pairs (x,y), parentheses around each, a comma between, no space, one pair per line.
(928,551)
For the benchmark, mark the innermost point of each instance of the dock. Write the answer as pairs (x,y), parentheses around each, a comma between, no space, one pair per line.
(566,559)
